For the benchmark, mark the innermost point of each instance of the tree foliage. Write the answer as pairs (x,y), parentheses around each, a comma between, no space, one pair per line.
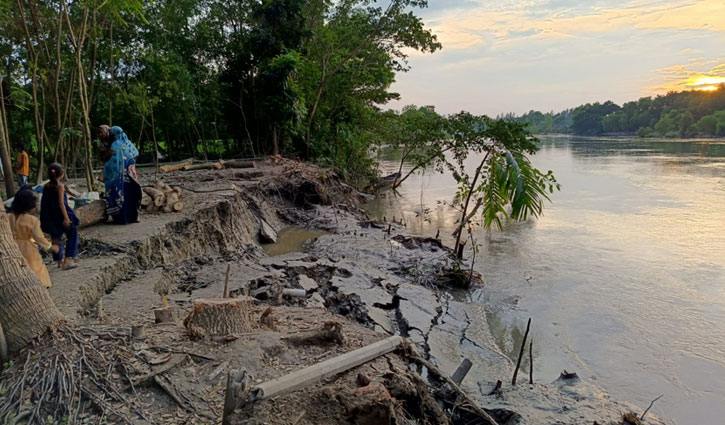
(204,77)
(676,114)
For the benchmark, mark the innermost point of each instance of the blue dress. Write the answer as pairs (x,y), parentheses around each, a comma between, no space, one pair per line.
(51,217)
(123,193)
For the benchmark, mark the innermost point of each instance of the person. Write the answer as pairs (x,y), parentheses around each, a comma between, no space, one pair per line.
(26,231)
(58,219)
(23,168)
(123,192)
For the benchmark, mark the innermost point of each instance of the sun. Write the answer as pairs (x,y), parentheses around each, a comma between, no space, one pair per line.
(705,83)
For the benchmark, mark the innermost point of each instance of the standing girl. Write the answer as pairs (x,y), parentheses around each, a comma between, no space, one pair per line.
(27,233)
(58,219)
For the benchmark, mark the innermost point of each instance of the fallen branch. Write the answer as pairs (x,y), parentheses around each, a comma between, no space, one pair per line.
(145,379)
(468,403)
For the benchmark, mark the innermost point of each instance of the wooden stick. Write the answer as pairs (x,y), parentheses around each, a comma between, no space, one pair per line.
(237,384)
(641,418)
(531,361)
(462,371)
(326,369)
(521,353)
(226,281)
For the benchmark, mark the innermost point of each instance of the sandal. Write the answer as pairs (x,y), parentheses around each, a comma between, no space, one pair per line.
(70,266)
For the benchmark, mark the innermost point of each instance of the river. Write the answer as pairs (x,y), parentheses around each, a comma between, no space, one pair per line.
(624,275)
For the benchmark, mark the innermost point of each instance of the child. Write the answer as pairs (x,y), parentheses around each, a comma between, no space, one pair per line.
(26,231)
(23,168)
(57,218)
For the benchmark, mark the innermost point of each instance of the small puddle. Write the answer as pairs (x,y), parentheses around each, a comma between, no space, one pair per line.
(292,239)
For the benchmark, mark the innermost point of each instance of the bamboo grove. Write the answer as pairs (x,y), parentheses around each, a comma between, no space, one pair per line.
(205,78)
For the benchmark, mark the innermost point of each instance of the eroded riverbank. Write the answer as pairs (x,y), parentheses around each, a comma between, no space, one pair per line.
(372,281)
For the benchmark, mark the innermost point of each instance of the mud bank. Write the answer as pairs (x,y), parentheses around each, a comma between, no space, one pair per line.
(372,277)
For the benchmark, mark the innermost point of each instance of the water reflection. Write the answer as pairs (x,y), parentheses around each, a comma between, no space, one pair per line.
(623,274)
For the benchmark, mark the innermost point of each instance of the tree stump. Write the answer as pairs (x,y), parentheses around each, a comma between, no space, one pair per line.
(219,316)
(164,314)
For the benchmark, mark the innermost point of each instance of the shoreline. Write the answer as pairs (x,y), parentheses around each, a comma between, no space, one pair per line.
(383,283)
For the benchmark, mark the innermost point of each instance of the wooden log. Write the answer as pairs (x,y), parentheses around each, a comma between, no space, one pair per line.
(330,331)
(146,200)
(92,213)
(162,187)
(219,316)
(164,314)
(235,163)
(174,167)
(236,394)
(171,199)
(205,166)
(177,189)
(178,206)
(309,375)
(156,195)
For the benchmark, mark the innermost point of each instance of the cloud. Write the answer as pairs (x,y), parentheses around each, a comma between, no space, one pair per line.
(562,20)
(517,55)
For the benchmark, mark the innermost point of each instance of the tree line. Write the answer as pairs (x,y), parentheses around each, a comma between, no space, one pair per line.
(676,114)
(203,78)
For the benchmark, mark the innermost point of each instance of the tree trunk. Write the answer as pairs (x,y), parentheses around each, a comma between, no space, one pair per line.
(26,308)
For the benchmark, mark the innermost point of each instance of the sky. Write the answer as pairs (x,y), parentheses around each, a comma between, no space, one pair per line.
(549,55)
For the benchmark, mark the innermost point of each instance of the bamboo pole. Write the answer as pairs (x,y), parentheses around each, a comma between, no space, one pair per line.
(521,353)
(309,375)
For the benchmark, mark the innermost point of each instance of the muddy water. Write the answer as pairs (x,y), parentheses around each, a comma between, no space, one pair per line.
(624,276)
(292,239)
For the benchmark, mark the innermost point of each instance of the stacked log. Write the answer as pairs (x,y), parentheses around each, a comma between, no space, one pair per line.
(219,165)
(162,197)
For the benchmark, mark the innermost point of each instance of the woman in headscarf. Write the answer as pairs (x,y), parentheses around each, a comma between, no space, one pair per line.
(123,193)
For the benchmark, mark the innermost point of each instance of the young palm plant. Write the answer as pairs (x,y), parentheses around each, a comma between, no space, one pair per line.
(504,183)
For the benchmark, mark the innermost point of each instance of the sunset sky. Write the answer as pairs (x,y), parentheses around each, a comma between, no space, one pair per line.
(513,56)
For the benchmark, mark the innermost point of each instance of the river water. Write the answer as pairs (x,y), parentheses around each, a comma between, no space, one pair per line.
(624,275)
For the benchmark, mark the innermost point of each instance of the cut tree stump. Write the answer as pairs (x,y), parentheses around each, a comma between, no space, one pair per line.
(92,213)
(164,314)
(174,167)
(219,316)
